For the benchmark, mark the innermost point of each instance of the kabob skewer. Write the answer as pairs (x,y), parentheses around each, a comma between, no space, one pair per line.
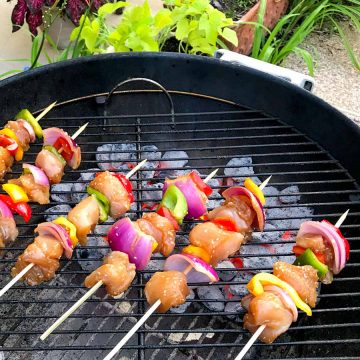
(17,135)
(261,328)
(187,265)
(34,184)
(95,287)
(69,230)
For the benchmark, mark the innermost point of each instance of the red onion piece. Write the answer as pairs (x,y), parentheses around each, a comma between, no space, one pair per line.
(285,298)
(5,211)
(39,175)
(28,128)
(126,236)
(331,237)
(255,202)
(59,233)
(201,272)
(246,300)
(51,135)
(194,197)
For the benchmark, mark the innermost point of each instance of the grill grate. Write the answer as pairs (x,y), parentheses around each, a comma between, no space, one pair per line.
(214,132)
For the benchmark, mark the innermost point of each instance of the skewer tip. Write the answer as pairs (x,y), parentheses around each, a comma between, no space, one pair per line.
(79,131)
(210,176)
(45,111)
(342,218)
(135,169)
(264,183)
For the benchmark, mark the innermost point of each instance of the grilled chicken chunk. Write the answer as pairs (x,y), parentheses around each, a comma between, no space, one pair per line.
(21,133)
(303,279)
(170,287)
(35,192)
(51,165)
(236,210)
(266,309)
(85,216)
(219,243)
(6,161)
(112,188)
(117,273)
(45,253)
(166,237)
(314,242)
(8,231)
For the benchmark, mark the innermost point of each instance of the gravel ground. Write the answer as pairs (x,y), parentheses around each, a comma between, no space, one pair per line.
(337,81)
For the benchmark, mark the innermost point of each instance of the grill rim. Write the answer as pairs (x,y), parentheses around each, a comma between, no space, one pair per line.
(199,72)
(142,347)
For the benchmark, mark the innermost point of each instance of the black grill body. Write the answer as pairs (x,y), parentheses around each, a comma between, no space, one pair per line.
(221,112)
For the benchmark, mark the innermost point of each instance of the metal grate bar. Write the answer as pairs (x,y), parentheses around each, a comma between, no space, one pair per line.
(210,139)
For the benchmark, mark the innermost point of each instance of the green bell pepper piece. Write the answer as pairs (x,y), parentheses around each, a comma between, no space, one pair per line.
(26,115)
(175,201)
(309,258)
(103,202)
(55,152)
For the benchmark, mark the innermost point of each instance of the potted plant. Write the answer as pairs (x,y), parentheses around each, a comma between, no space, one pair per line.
(58,16)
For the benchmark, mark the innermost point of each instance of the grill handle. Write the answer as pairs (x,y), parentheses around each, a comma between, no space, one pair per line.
(150,81)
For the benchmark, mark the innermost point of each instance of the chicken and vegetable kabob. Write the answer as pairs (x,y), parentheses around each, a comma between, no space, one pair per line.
(133,242)
(59,149)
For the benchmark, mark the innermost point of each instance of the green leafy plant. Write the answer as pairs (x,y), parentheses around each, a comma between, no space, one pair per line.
(198,27)
(303,18)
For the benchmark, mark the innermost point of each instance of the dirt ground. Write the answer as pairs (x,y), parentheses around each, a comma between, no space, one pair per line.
(337,81)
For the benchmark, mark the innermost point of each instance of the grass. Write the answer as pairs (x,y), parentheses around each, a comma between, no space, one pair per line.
(304,17)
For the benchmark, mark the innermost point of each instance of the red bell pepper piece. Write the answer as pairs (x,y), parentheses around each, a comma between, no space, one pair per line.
(299,250)
(206,189)
(62,146)
(165,212)
(9,144)
(21,208)
(226,224)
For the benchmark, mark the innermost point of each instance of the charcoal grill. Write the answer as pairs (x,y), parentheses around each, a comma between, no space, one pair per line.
(220,112)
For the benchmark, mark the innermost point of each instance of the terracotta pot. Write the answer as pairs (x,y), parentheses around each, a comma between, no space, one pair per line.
(275,9)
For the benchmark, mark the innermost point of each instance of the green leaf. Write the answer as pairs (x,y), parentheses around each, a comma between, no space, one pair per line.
(163,19)
(258,37)
(230,35)
(90,37)
(10,72)
(307,58)
(110,8)
(34,48)
(182,29)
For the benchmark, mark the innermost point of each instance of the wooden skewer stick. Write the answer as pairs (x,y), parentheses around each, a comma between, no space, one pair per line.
(152,309)
(15,279)
(27,268)
(211,175)
(261,328)
(45,111)
(79,131)
(264,183)
(92,290)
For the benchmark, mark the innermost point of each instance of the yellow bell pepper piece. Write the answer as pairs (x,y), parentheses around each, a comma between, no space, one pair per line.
(16,193)
(255,286)
(20,151)
(154,246)
(69,227)
(251,186)
(198,252)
